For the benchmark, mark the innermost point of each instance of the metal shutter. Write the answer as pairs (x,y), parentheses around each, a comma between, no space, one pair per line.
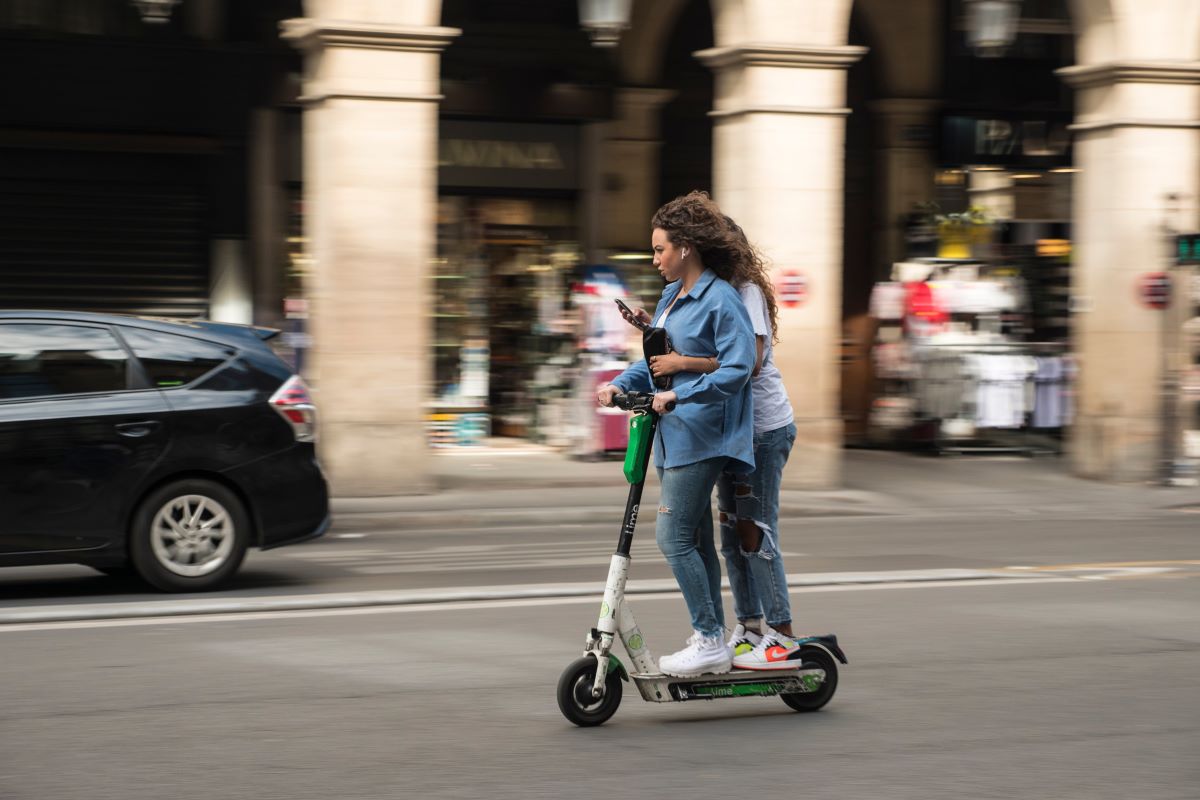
(92,243)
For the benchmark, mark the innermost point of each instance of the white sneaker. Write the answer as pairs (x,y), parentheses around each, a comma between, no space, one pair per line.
(742,641)
(703,654)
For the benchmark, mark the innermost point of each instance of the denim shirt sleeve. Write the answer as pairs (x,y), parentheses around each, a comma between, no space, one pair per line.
(635,378)
(734,340)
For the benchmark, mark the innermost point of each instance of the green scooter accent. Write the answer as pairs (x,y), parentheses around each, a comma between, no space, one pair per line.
(641,436)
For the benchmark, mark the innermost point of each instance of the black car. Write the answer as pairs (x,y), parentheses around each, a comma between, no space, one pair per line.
(165,447)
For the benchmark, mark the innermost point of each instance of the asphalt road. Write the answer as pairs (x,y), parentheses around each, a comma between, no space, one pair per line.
(1064,667)
(1056,688)
(380,560)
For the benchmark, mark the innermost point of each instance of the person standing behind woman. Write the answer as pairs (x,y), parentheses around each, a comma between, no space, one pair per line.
(749,501)
(711,428)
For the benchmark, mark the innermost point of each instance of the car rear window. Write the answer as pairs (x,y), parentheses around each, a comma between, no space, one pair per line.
(171,360)
(46,359)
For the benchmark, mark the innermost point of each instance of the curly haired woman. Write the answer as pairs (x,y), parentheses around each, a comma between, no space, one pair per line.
(749,501)
(697,251)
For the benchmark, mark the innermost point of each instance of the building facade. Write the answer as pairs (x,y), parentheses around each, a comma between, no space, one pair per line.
(427,179)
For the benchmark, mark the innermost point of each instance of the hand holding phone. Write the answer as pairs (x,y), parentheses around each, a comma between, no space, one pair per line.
(630,316)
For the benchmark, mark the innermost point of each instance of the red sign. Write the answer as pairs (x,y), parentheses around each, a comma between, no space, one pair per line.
(1154,290)
(792,288)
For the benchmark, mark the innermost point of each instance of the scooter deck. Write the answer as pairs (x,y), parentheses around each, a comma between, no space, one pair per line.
(663,688)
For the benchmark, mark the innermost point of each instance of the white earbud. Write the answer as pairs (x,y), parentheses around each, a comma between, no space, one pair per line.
(685,252)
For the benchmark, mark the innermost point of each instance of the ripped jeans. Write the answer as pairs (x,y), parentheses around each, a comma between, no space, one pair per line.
(757,579)
(685,535)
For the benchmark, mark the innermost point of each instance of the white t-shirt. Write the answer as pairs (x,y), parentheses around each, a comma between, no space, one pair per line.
(772,409)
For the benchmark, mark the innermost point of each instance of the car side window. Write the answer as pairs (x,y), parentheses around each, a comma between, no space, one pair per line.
(44,359)
(172,360)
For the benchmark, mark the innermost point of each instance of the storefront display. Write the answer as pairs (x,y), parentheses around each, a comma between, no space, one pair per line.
(505,331)
(955,366)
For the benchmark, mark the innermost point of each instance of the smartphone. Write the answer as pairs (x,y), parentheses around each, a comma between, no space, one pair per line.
(633,320)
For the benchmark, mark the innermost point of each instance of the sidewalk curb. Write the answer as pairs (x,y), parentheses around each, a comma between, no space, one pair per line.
(182,608)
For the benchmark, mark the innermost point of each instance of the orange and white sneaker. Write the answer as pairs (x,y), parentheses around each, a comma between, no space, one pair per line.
(775,651)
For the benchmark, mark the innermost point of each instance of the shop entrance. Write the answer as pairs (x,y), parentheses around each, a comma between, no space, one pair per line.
(504,331)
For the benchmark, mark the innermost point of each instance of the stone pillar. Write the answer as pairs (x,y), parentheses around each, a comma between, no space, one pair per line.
(778,150)
(630,159)
(370,169)
(1136,143)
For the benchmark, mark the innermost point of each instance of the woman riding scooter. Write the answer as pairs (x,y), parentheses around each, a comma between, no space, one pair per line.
(749,503)
(696,250)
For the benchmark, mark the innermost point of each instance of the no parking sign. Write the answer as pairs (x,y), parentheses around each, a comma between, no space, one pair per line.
(1154,290)
(792,288)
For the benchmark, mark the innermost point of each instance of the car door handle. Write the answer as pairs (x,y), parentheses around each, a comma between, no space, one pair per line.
(136,430)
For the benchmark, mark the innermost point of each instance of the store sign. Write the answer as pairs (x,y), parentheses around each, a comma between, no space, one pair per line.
(1154,290)
(1053,248)
(508,155)
(1187,248)
(792,288)
(1009,142)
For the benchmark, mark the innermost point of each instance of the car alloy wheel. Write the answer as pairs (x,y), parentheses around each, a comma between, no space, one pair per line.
(192,535)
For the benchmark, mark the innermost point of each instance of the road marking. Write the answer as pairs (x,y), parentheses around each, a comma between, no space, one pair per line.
(219,608)
(1111,565)
(471,605)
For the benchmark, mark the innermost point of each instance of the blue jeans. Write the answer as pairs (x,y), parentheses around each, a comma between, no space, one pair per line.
(757,579)
(685,535)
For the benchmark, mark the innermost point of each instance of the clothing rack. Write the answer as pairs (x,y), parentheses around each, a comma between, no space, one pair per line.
(988,397)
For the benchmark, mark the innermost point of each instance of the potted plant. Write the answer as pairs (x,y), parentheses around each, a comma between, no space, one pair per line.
(962,232)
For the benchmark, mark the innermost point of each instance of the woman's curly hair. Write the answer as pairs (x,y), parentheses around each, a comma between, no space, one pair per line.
(695,220)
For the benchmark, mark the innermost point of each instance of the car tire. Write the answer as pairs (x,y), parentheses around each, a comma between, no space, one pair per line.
(189,536)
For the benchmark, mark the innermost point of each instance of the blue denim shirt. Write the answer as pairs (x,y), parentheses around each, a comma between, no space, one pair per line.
(713,415)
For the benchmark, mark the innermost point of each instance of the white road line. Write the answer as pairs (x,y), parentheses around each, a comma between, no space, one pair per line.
(391,597)
(472,605)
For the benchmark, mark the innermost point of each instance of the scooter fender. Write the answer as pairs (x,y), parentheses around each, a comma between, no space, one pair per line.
(828,642)
(614,664)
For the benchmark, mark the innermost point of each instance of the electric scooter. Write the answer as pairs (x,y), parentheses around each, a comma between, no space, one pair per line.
(590,688)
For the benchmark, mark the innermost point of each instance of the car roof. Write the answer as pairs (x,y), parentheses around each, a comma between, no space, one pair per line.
(228,332)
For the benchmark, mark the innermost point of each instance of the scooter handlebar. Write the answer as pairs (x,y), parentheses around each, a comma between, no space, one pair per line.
(637,401)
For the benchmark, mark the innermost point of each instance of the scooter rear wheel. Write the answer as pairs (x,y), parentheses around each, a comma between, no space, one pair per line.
(575,699)
(815,657)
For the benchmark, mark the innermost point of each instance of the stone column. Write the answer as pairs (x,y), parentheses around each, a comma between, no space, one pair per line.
(1136,143)
(370,170)
(630,168)
(778,157)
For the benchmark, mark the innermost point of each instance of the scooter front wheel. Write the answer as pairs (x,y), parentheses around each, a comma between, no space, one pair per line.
(815,657)
(575,699)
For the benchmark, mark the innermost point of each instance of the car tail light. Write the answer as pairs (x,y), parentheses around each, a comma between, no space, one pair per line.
(294,404)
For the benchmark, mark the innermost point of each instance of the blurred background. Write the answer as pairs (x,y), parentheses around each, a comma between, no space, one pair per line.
(980,214)
(983,224)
